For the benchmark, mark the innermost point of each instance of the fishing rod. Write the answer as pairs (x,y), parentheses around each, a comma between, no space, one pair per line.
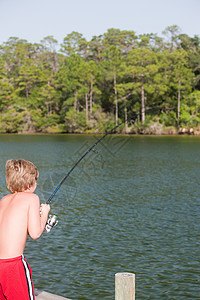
(52,220)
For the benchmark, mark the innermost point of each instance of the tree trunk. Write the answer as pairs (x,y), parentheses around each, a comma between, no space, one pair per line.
(179,99)
(86,107)
(143,104)
(125,115)
(91,100)
(116,101)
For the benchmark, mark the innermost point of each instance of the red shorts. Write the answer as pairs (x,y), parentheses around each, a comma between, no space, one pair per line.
(16,279)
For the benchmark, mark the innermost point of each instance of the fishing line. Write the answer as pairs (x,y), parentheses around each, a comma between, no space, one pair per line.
(76,164)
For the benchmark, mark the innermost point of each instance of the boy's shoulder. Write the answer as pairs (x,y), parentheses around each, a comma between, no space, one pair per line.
(21,195)
(20,200)
(27,196)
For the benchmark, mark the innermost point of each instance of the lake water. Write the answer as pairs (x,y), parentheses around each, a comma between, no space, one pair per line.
(133,205)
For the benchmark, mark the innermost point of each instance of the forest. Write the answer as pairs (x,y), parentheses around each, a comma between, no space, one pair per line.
(150,83)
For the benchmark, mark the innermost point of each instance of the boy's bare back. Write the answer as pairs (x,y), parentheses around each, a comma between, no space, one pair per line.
(20,214)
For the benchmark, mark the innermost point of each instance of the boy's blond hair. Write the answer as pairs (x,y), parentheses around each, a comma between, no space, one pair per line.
(20,174)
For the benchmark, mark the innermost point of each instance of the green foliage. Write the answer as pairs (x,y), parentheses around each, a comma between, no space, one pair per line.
(75,122)
(89,86)
(45,123)
(12,121)
(190,110)
(168,118)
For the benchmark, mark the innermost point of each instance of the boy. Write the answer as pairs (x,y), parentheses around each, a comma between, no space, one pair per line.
(20,215)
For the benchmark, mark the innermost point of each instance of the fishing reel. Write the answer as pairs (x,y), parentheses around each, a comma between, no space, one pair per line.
(51,222)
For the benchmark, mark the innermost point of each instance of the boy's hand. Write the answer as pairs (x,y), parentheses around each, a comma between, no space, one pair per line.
(44,208)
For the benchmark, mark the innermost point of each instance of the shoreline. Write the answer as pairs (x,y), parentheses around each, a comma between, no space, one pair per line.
(99,133)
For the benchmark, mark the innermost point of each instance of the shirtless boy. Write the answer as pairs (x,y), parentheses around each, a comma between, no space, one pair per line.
(20,215)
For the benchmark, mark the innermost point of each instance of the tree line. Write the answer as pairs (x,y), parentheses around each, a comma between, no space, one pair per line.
(89,86)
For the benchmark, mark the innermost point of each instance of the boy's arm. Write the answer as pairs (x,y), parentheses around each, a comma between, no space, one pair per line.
(36,218)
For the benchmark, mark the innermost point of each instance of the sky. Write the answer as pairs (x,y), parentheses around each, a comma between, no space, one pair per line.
(33,20)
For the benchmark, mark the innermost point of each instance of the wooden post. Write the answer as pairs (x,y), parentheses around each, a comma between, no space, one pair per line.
(124,286)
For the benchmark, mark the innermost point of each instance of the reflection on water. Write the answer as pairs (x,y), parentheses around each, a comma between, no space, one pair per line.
(131,206)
